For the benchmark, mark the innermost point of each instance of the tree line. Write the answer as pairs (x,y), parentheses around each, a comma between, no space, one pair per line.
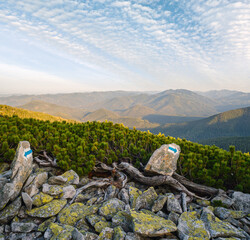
(78,146)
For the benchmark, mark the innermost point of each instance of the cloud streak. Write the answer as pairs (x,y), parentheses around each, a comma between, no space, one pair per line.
(140,45)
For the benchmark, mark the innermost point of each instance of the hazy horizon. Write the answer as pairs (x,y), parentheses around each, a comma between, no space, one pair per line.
(132,45)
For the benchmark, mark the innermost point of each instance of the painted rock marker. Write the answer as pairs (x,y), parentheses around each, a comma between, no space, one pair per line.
(164,160)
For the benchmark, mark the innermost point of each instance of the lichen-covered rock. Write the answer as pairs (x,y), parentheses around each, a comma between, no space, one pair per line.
(6,191)
(203,203)
(159,203)
(27,200)
(75,212)
(189,226)
(106,234)
(164,160)
(132,236)
(173,204)
(134,193)
(91,201)
(41,199)
(218,228)
(224,213)
(57,180)
(241,201)
(21,167)
(123,195)
(98,222)
(23,227)
(10,211)
(150,225)
(119,234)
(93,219)
(111,207)
(122,219)
(34,182)
(174,217)
(146,199)
(2,236)
(89,235)
(57,231)
(52,190)
(111,192)
(224,200)
(99,226)
(71,176)
(82,225)
(43,226)
(48,210)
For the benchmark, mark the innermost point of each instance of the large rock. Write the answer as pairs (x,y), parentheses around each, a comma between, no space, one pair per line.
(75,212)
(159,203)
(224,200)
(224,213)
(71,177)
(41,199)
(57,231)
(149,225)
(10,211)
(242,201)
(111,207)
(164,160)
(52,190)
(173,204)
(119,234)
(48,210)
(106,234)
(21,167)
(6,192)
(34,182)
(134,193)
(27,200)
(122,219)
(146,199)
(190,226)
(218,228)
(23,227)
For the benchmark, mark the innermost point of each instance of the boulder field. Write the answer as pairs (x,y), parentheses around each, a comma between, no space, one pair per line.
(37,203)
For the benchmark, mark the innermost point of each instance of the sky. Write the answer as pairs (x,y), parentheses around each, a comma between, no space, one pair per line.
(140,45)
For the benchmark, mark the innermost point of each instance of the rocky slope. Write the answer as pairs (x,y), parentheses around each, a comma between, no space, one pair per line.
(37,203)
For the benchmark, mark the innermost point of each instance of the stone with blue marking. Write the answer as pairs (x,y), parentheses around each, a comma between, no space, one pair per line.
(27,153)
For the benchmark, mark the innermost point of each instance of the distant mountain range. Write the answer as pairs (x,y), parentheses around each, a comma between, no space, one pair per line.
(234,123)
(178,102)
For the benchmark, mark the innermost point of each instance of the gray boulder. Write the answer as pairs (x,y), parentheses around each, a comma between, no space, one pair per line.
(173,204)
(111,207)
(10,211)
(190,226)
(164,160)
(241,201)
(21,167)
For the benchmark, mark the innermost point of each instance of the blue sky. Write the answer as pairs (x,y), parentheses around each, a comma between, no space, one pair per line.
(74,45)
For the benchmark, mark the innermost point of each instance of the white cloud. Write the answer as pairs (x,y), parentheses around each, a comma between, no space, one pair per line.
(139,40)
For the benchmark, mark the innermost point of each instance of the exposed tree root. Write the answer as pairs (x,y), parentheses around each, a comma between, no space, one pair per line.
(47,162)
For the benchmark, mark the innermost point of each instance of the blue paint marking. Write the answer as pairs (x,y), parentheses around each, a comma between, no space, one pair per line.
(173,149)
(27,153)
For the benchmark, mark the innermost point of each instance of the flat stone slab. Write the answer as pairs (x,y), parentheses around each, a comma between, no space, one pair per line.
(148,224)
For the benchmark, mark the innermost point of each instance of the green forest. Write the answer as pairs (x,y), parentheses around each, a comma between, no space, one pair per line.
(78,146)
